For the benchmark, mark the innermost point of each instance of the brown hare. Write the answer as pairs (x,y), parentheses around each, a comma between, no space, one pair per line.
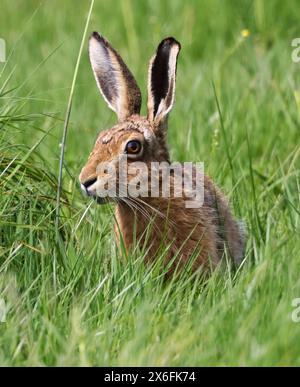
(201,233)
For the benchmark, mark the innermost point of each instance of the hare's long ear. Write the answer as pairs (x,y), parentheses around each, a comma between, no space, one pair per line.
(161,80)
(115,81)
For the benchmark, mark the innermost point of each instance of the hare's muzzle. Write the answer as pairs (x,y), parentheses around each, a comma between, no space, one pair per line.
(89,190)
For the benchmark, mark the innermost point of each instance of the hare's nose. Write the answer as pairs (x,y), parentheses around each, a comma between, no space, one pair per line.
(89,182)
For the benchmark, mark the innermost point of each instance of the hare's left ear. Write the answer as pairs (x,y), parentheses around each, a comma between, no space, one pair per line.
(161,80)
(116,83)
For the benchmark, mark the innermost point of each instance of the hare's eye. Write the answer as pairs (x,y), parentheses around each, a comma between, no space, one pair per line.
(133,147)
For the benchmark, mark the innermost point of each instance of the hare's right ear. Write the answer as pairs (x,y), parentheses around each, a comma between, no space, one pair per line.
(115,81)
(161,80)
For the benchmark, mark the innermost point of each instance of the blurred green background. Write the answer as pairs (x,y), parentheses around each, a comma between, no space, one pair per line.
(60,312)
(46,37)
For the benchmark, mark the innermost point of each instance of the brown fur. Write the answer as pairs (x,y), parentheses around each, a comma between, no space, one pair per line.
(183,232)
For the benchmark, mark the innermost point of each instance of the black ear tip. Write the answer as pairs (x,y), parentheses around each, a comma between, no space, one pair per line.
(98,37)
(169,42)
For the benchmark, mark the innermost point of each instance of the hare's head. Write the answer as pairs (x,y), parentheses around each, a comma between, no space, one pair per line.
(139,138)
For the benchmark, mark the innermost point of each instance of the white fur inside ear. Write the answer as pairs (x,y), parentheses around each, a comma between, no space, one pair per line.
(109,75)
(161,108)
(172,77)
(100,65)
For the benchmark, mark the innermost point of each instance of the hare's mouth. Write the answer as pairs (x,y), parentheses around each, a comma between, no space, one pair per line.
(90,189)
(100,200)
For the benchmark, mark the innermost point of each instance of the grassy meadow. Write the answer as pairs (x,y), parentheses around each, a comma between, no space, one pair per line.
(70,299)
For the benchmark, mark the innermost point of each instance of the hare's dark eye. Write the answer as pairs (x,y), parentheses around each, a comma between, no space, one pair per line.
(133,147)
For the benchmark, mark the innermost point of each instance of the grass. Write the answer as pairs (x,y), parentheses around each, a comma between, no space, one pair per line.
(71,300)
